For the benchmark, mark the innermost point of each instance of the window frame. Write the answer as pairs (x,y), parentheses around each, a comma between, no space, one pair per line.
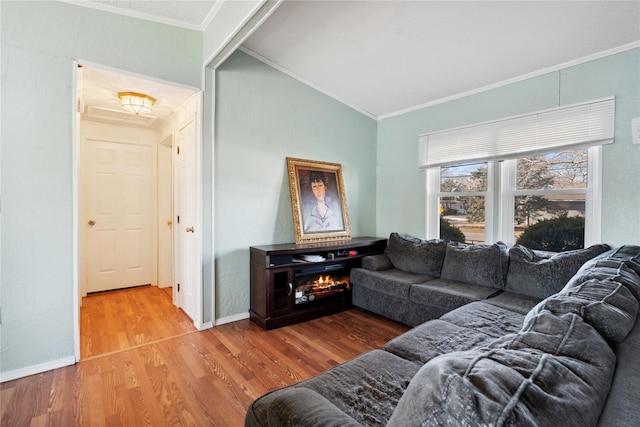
(500,199)
(488,195)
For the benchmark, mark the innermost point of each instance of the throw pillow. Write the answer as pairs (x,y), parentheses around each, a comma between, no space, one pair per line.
(541,273)
(415,255)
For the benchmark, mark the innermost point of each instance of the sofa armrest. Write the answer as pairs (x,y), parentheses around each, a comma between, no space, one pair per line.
(377,262)
(299,406)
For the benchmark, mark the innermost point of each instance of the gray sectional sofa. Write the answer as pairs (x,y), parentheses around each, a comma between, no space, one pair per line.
(503,336)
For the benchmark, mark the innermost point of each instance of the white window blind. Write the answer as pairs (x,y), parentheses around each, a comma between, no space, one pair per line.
(581,125)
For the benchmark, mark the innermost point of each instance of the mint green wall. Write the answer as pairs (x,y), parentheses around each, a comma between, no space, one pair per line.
(262,117)
(401,185)
(67,31)
(40,40)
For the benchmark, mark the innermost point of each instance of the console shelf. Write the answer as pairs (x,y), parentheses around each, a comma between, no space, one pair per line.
(283,289)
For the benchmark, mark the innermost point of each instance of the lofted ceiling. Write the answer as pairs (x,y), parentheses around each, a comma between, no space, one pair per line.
(387,57)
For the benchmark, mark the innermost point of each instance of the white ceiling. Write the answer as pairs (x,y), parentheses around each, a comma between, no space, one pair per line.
(383,57)
(386,57)
(98,90)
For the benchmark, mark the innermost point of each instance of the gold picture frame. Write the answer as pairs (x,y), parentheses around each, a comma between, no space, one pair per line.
(318,201)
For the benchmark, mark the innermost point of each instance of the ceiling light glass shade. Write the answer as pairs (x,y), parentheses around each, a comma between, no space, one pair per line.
(137,103)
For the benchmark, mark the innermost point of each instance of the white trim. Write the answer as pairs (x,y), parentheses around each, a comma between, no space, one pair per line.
(75,194)
(204,326)
(212,74)
(489,197)
(523,77)
(262,12)
(232,318)
(212,13)
(432,205)
(199,117)
(304,81)
(36,369)
(139,15)
(593,208)
(137,76)
(506,215)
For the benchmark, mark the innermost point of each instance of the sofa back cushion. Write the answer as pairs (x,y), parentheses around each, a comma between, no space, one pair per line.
(605,304)
(541,273)
(483,265)
(416,255)
(630,255)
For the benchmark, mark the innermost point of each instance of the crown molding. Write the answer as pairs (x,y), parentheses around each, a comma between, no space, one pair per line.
(523,77)
(140,15)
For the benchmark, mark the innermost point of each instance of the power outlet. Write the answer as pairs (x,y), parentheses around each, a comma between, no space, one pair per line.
(635,130)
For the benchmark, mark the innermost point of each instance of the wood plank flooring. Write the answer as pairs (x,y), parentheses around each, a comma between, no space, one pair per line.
(122,319)
(206,378)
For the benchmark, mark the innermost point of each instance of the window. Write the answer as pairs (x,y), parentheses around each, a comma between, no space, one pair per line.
(462,199)
(516,178)
(553,190)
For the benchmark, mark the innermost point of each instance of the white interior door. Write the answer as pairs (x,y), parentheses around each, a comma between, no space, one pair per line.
(120,214)
(186,257)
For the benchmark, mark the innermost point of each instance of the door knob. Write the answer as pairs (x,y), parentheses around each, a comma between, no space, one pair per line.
(190,230)
(91,222)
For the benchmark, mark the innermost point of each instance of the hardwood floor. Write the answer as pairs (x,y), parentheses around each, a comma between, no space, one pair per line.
(206,378)
(122,319)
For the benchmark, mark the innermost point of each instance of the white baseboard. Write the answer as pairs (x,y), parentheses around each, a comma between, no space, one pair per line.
(36,369)
(203,326)
(233,318)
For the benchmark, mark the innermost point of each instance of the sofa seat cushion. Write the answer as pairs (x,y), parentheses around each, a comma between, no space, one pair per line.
(416,255)
(622,408)
(542,273)
(435,338)
(448,294)
(556,371)
(366,388)
(483,265)
(486,318)
(391,282)
(303,407)
(513,301)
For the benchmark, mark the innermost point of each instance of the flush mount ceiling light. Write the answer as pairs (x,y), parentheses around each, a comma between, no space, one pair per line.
(137,103)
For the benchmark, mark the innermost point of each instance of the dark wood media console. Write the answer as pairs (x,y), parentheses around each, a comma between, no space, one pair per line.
(291,283)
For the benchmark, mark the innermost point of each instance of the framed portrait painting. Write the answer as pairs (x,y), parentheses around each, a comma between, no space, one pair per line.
(318,202)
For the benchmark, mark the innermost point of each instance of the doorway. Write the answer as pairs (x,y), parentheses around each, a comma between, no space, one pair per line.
(130,192)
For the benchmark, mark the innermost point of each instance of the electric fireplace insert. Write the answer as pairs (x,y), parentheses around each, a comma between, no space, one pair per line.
(316,283)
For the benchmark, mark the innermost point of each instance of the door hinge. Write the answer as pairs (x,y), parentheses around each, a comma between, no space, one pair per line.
(178,287)
(178,219)
(177,149)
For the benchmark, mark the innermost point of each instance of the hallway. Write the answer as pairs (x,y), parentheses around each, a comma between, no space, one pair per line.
(124,319)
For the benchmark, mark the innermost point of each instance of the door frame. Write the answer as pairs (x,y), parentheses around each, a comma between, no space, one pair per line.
(75,150)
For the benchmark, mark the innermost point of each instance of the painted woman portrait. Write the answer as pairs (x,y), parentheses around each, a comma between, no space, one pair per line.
(323,212)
